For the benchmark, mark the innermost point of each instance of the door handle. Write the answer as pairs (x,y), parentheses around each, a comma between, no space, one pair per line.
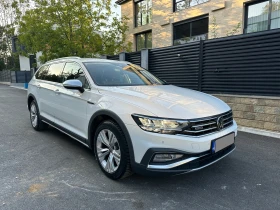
(90,102)
(38,86)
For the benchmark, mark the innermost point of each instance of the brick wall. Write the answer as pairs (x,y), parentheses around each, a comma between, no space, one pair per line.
(255,112)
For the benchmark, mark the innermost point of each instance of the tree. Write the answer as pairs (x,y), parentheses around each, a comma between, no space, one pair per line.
(83,28)
(2,64)
(10,11)
(214,29)
(275,5)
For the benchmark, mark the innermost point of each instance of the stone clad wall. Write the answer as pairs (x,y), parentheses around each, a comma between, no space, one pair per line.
(228,15)
(255,112)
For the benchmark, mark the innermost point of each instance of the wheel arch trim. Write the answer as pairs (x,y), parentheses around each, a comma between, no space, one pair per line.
(30,95)
(118,120)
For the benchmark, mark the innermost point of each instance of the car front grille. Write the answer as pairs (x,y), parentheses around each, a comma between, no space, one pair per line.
(204,126)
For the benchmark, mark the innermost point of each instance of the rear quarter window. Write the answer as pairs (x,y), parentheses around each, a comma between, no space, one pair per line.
(42,72)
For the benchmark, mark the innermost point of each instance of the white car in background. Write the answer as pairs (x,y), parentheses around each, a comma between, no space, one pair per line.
(132,120)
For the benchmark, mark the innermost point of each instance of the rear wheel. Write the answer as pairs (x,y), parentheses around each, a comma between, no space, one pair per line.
(112,151)
(35,118)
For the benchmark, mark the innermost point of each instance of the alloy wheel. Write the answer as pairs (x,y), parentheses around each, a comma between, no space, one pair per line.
(33,115)
(108,150)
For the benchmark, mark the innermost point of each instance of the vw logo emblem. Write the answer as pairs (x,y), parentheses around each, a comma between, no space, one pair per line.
(220,123)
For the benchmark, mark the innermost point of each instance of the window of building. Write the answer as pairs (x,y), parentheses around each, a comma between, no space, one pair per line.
(143,40)
(183,4)
(190,31)
(74,71)
(143,11)
(261,16)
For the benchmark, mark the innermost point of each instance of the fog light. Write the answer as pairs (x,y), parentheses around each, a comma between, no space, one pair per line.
(166,157)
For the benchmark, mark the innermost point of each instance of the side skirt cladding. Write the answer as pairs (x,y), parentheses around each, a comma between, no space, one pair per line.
(67,132)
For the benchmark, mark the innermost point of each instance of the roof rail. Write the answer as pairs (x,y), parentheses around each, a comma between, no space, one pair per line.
(70,57)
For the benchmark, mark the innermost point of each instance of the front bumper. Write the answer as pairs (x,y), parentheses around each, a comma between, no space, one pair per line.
(197,151)
(189,163)
(142,141)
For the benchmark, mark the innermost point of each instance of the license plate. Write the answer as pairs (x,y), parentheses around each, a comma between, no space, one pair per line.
(222,143)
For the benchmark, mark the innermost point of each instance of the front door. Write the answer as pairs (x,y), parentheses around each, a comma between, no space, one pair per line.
(72,104)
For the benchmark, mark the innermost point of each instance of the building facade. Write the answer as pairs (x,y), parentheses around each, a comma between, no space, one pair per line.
(161,23)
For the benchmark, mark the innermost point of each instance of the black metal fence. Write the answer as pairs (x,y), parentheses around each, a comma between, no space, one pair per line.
(177,65)
(5,76)
(113,57)
(15,76)
(243,64)
(248,64)
(134,57)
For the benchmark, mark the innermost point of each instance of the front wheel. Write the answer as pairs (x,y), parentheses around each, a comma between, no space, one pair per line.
(111,150)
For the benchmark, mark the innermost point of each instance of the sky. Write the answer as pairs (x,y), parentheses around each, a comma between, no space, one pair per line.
(116,9)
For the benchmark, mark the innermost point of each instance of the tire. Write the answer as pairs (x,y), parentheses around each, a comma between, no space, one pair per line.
(111,150)
(35,118)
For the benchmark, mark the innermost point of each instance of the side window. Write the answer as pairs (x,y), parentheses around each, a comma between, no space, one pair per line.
(54,72)
(74,71)
(42,72)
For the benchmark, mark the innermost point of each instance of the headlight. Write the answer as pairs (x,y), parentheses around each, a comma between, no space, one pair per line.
(159,125)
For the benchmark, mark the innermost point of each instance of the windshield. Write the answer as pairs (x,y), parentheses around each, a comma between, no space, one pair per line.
(120,74)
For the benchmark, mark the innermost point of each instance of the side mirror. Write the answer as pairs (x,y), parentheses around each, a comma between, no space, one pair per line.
(74,84)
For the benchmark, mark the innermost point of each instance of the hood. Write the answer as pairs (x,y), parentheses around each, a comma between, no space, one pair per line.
(169,101)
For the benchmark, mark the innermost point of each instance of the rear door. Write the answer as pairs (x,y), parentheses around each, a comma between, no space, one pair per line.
(72,104)
(35,86)
(48,87)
